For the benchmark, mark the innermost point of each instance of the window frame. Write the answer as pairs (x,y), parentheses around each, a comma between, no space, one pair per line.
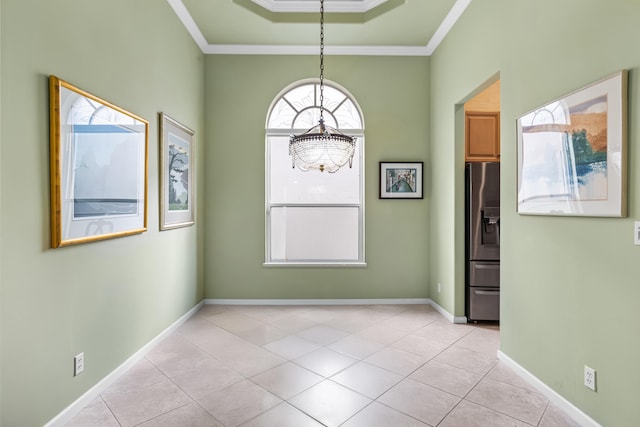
(286,132)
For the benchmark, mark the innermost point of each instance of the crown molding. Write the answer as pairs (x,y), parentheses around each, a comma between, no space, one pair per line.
(243,49)
(190,24)
(447,24)
(252,49)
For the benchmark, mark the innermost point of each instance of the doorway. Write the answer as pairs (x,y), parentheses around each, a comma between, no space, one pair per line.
(482,205)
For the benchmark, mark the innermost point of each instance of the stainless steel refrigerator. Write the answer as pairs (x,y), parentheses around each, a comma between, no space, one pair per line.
(483,241)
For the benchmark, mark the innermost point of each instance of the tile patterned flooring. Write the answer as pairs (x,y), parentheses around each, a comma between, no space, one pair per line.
(299,366)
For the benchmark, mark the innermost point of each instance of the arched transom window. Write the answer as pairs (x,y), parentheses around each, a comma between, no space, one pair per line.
(299,108)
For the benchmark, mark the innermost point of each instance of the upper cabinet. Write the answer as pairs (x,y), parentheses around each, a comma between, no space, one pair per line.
(482,137)
(482,126)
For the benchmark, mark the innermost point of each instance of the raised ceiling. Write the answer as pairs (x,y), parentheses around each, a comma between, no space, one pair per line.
(312,5)
(291,27)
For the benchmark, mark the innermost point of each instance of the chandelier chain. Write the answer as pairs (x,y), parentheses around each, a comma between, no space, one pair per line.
(321,59)
(322,147)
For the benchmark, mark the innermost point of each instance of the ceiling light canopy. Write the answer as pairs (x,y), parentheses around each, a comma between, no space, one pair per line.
(322,147)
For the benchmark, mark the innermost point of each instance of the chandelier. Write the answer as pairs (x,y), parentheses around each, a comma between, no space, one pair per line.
(321,147)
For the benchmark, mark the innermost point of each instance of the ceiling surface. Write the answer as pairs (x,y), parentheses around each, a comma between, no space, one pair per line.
(292,27)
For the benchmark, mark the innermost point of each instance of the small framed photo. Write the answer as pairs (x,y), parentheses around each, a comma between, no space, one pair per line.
(176,174)
(98,155)
(401,180)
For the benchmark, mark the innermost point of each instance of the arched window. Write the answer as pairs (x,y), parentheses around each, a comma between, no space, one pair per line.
(313,217)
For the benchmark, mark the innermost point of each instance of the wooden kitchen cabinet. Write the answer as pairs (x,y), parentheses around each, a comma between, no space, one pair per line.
(482,136)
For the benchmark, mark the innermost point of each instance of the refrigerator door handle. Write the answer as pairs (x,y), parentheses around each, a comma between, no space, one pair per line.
(478,292)
(494,266)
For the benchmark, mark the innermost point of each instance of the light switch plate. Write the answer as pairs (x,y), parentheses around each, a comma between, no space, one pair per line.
(636,232)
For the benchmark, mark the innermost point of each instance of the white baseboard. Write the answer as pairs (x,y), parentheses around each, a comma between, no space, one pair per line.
(563,404)
(72,410)
(451,318)
(384,301)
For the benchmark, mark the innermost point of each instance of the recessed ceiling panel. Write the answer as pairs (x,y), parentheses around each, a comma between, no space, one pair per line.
(309,6)
(290,27)
(407,23)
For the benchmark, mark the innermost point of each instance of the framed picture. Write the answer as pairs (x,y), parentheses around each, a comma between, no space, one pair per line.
(176,174)
(98,155)
(572,153)
(401,180)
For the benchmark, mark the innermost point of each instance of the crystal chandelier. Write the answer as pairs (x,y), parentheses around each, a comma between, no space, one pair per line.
(322,147)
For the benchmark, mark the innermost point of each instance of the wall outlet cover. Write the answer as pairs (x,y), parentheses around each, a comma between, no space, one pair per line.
(590,378)
(78,364)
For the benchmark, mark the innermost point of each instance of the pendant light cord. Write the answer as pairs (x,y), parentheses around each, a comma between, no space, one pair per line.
(321,61)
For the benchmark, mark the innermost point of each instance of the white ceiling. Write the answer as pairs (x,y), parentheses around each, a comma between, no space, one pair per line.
(291,27)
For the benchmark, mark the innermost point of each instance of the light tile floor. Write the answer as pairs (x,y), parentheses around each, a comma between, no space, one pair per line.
(298,366)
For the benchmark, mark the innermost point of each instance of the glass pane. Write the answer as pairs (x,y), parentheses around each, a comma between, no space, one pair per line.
(348,116)
(291,185)
(302,96)
(307,119)
(332,98)
(314,234)
(282,116)
(310,117)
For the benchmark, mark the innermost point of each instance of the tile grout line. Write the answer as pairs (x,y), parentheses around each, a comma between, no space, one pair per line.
(404,378)
(357,360)
(266,320)
(486,376)
(362,360)
(110,411)
(546,408)
(464,398)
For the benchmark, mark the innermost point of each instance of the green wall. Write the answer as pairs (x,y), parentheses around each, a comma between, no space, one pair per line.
(568,288)
(569,285)
(107,298)
(394,96)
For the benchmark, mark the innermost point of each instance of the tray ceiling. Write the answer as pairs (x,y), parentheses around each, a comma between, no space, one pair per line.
(291,27)
(346,6)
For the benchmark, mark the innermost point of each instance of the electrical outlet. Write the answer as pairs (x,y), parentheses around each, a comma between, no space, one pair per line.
(78,364)
(439,287)
(636,233)
(589,378)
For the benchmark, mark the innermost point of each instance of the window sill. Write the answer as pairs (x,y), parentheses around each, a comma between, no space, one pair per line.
(316,264)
